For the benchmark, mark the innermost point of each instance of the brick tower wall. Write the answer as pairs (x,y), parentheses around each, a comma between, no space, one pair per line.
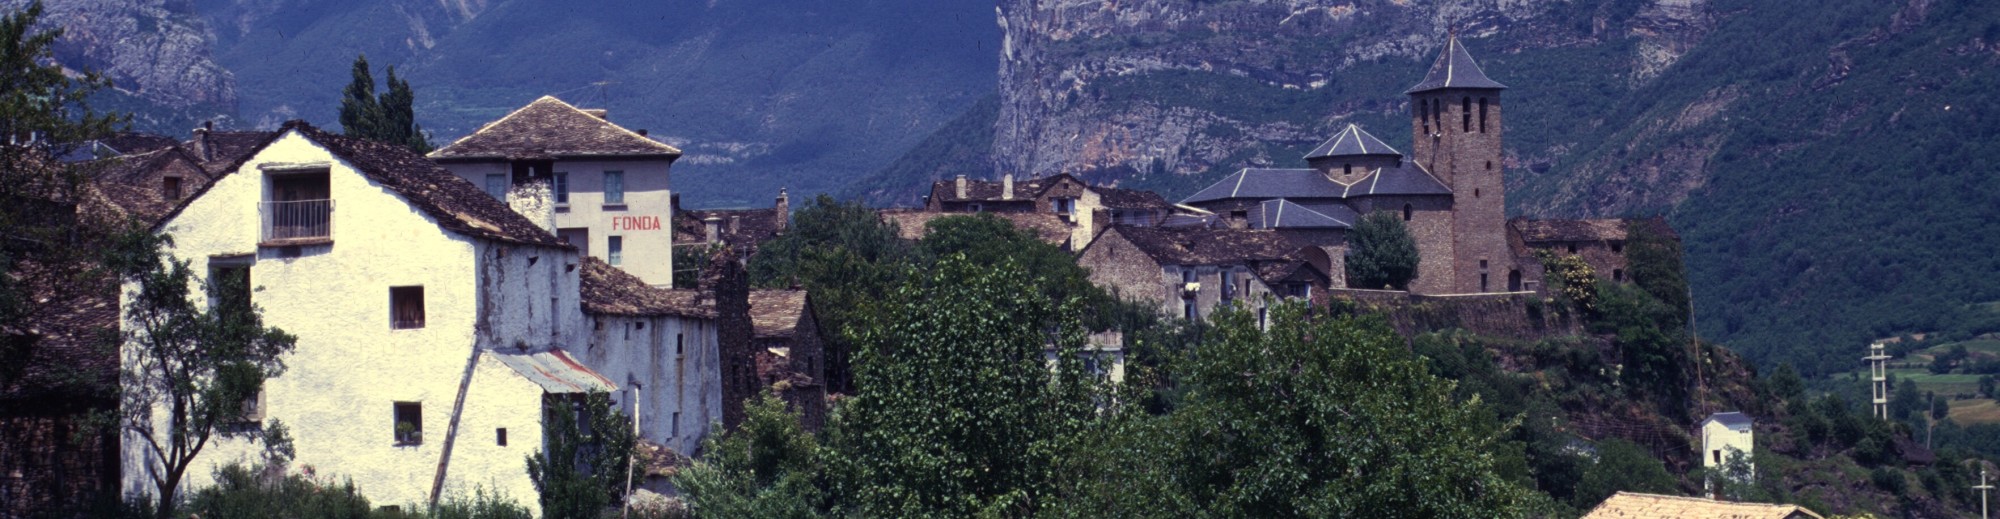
(1463,148)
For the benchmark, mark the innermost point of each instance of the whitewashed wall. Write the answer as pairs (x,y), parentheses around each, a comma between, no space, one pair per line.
(648,252)
(350,366)
(689,384)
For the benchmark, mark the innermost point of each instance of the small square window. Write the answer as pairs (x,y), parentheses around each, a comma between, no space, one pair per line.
(406,307)
(409,423)
(500,436)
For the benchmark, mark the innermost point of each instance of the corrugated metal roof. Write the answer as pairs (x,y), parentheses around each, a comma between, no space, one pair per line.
(555,371)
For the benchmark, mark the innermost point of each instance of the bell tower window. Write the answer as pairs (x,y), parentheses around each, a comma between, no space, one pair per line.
(1465,113)
(1482,115)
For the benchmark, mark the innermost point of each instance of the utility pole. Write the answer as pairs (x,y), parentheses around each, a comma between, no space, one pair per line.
(1983,488)
(1879,372)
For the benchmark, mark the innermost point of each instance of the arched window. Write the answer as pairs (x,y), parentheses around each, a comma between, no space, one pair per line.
(1465,112)
(1482,115)
(1514,280)
(1407,211)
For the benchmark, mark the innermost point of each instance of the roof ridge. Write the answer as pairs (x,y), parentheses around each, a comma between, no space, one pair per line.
(484,127)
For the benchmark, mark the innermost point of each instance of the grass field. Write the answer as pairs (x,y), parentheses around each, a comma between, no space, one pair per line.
(1975,410)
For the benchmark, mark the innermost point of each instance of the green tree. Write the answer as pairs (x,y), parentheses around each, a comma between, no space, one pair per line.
(1653,351)
(1986,387)
(1622,466)
(586,455)
(390,117)
(959,412)
(1318,417)
(188,369)
(1381,253)
(1785,384)
(1570,278)
(768,468)
(1654,261)
(987,239)
(849,259)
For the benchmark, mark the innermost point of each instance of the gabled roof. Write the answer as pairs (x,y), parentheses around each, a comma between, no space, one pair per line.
(1732,420)
(775,314)
(133,142)
(607,290)
(1115,198)
(1204,246)
(137,168)
(226,149)
(1352,141)
(1624,505)
(1283,214)
(555,371)
(994,191)
(1454,68)
(550,128)
(455,203)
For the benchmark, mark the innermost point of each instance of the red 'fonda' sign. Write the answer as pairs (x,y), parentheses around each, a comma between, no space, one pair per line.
(635,223)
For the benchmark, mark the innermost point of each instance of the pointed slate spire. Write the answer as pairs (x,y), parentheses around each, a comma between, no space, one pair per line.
(1352,141)
(1454,69)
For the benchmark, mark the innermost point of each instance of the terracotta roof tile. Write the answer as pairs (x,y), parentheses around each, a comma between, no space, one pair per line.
(1629,505)
(550,128)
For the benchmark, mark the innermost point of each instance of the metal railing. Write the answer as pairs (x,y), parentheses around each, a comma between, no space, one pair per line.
(297,220)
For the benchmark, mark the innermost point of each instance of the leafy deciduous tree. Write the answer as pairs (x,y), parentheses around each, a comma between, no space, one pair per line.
(588,448)
(1381,253)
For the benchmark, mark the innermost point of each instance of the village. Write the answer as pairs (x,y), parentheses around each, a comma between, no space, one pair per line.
(441,303)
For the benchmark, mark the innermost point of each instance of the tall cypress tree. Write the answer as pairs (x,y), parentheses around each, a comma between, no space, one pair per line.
(390,117)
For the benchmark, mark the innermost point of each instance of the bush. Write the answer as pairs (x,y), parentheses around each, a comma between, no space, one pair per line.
(1889,480)
(1381,253)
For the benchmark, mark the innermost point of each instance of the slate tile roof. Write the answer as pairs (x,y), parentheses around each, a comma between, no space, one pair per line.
(1454,68)
(775,314)
(227,149)
(137,168)
(1025,190)
(1204,246)
(1732,420)
(549,128)
(1630,505)
(1283,214)
(913,224)
(1352,141)
(1408,178)
(607,290)
(1116,198)
(133,142)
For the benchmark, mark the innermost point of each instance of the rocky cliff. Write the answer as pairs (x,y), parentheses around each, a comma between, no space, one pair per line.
(158,51)
(1172,86)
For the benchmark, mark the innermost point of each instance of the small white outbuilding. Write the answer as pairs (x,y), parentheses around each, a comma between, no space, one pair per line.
(1725,433)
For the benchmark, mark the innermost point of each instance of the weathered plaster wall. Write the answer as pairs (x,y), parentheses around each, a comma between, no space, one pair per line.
(350,367)
(686,381)
(647,251)
(1718,437)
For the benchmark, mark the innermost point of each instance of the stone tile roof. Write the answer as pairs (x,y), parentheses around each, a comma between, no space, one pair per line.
(1115,198)
(135,168)
(453,201)
(1203,246)
(1454,68)
(912,225)
(752,226)
(774,314)
(549,128)
(142,203)
(1352,141)
(66,355)
(1283,214)
(1534,231)
(1624,505)
(133,142)
(1274,272)
(227,149)
(607,290)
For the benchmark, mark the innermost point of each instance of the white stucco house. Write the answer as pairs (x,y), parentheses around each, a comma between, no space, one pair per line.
(432,321)
(611,184)
(1724,434)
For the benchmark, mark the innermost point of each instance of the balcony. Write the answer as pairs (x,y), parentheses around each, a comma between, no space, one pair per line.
(297,222)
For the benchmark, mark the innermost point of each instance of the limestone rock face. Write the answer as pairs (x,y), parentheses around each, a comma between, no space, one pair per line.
(157,50)
(1110,90)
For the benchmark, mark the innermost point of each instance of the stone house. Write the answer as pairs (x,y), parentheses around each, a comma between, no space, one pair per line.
(610,184)
(661,346)
(1086,209)
(791,352)
(1191,271)
(432,319)
(741,229)
(1600,242)
(148,184)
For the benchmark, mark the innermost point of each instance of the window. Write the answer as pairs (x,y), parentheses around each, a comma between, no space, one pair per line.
(1424,114)
(562,187)
(1263,318)
(1482,264)
(1514,280)
(500,436)
(676,426)
(978,208)
(253,408)
(614,187)
(1618,246)
(1475,192)
(496,185)
(1347,169)
(680,345)
(409,423)
(1482,119)
(1465,113)
(1482,282)
(298,206)
(615,250)
(1572,248)
(1718,456)
(1063,206)
(229,286)
(1408,211)
(1187,309)
(1187,274)
(406,307)
(170,188)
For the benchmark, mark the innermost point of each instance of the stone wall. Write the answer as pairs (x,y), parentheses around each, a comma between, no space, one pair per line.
(51,461)
(1515,315)
(734,332)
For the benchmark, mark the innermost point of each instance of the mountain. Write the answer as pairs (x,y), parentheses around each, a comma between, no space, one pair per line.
(1831,165)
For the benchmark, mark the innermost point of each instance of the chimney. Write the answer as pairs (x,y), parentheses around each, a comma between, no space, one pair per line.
(961,187)
(535,200)
(599,113)
(1007,187)
(642,132)
(714,226)
(203,148)
(674,203)
(735,223)
(784,209)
